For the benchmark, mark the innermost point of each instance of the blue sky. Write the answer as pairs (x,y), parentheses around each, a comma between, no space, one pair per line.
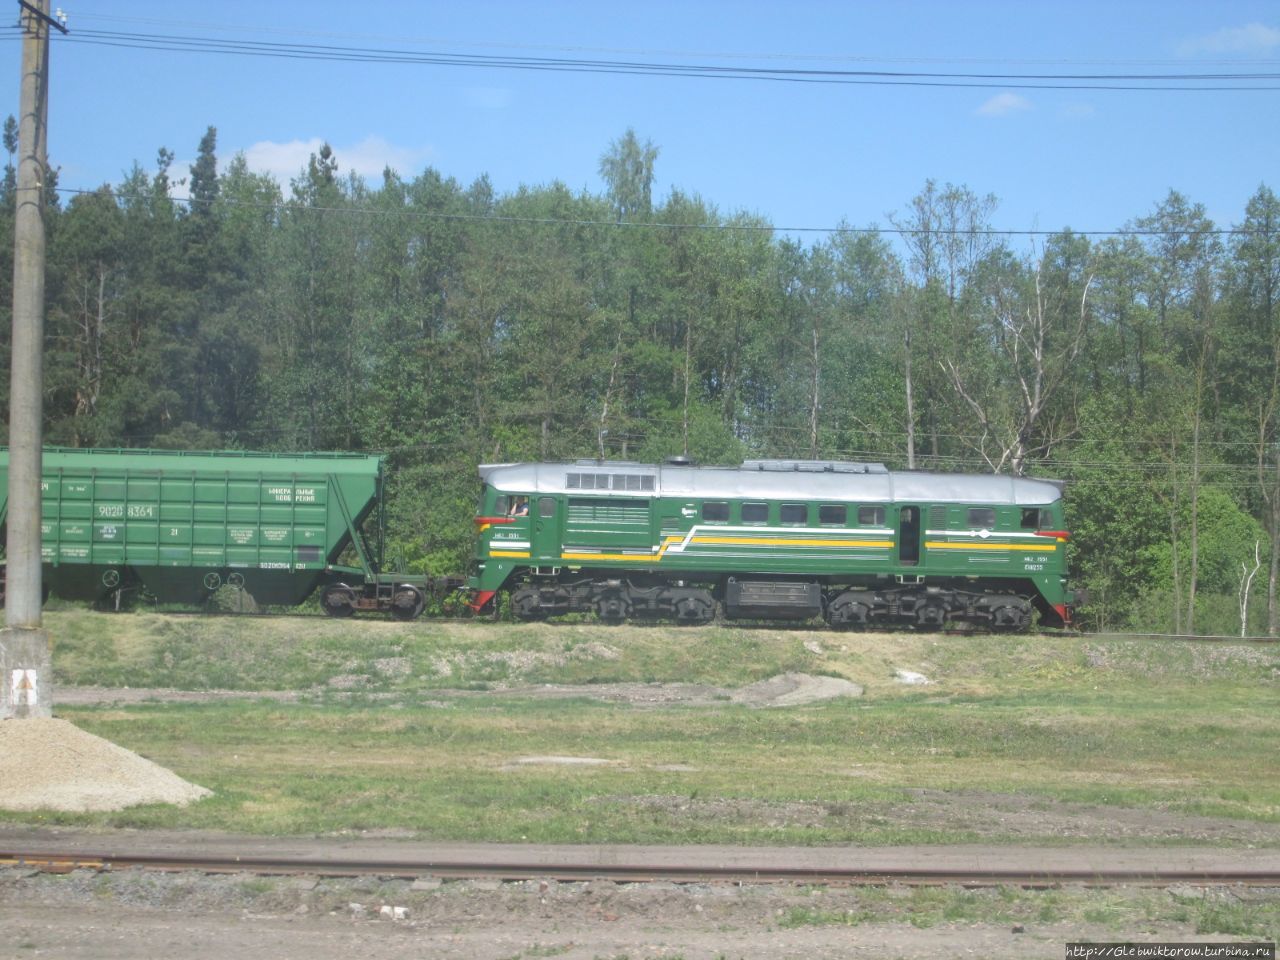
(800,154)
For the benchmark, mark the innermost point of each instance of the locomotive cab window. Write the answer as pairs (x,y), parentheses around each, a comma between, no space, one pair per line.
(794,514)
(832,514)
(546,506)
(984,517)
(715,512)
(755,513)
(871,516)
(1032,518)
(501,506)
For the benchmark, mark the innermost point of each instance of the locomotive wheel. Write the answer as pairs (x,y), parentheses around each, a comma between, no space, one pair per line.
(526,604)
(1011,617)
(930,615)
(407,602)
(846,613)
(338,600)
(695,611)
(613,608)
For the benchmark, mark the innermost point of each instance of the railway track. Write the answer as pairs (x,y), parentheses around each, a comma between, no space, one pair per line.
(695,869)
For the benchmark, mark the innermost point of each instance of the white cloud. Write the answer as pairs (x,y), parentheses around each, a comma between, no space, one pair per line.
(1002,104)
(368,158)
(1253,38)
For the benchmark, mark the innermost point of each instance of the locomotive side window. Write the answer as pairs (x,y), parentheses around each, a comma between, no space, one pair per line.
(982,517)
(755,513)
(501,506)
(871,516)
(1031,519)
(546,506)
(715,512)
(794,514)
(832,514)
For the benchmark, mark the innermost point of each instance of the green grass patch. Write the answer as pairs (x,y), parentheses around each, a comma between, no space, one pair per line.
(839,772)
(1012,738)
(1115,912)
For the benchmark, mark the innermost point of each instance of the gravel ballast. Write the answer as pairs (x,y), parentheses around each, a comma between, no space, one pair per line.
(50,764)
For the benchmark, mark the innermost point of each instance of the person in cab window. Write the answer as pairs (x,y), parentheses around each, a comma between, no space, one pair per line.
(520,508)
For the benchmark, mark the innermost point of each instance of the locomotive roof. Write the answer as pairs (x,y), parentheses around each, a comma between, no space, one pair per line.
(768,480)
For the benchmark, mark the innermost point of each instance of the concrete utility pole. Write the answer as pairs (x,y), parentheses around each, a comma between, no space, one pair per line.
(25,671)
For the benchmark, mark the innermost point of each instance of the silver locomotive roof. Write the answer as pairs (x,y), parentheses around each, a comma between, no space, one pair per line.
(767,480)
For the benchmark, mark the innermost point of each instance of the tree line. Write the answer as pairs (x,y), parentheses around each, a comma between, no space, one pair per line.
(445,325)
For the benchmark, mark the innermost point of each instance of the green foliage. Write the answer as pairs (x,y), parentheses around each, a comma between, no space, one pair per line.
(446,325)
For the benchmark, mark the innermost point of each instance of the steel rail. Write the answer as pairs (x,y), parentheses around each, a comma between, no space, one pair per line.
(632,872)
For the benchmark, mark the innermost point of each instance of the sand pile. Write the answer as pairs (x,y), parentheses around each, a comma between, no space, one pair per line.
(49,763)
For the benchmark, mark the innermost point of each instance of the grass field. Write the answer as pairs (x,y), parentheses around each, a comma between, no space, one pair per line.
(440,731)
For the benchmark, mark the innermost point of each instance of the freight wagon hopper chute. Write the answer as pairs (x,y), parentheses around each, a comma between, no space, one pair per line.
(182,524)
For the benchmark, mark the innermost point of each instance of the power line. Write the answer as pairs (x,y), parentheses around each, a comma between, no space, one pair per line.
(258,30)
(1179,81)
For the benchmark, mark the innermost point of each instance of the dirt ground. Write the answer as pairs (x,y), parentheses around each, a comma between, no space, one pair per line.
(784,690)
(130,914)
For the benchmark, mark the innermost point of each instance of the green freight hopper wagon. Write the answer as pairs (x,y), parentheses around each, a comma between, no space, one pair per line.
(182,524)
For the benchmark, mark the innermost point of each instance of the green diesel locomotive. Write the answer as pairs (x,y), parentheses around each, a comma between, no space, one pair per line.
(856,543)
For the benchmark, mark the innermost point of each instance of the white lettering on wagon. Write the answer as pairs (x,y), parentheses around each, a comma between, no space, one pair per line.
(292,495)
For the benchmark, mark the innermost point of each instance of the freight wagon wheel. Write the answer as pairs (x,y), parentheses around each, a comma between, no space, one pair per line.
(338,600)
(407,602)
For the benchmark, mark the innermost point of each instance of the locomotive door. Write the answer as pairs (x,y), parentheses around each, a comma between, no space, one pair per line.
(545,536)
(909,536)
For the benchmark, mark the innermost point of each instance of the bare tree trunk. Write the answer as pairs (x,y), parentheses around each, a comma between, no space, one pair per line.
(1273,573)
(1177,575)
(608,393)
(688,338)
(1173,551)
(813,406)
(1195,519)
(1246,583)
(911,413)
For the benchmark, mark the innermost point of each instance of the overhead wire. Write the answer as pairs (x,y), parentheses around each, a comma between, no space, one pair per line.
(1257,81)
(258,29)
